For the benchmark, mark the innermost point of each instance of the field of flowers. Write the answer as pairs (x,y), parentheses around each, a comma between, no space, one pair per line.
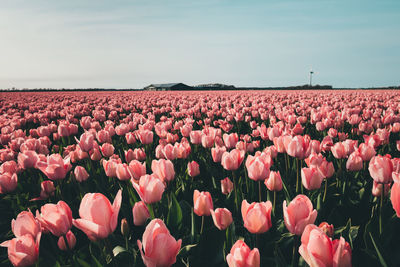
(233,178)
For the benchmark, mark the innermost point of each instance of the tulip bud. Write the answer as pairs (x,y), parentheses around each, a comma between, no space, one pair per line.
(71,239)
(124,227)
(226,186)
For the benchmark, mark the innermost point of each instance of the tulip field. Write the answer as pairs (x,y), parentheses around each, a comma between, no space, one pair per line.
(200,178)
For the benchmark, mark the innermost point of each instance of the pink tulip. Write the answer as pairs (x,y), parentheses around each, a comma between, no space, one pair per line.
(381,168)
(326,228)
(86,141)
(145,136)
(25,224)
(317,249)
(226,186)
(23,250)
(137,169)
(217,152)
(80,174)
(230,140)
(257,216)
(158,246)
(169,152)
(95,154)
(232,160)
(139,154)
(354,162)
(258,167)
(222,218)
(163,169)
(71,239)
(338,150)
(98,217)
(56,168)
(298,214)
(27,159)
(202,203)
(123,172)
(107,150)
(298,147)
(47,189)
(241,256)
(311,178)
(150,188)
(56,218)
(377,189)
(195,137)
(274,181)
(395,196)
(193,168)
(8,182)
(140,213)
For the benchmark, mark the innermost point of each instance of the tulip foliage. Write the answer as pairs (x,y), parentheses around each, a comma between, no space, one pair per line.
(247,178)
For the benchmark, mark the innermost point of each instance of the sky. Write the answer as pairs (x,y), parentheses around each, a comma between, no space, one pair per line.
(131,44)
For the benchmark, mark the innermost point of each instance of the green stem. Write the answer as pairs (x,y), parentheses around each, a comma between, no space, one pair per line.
(259,191)
(66,242)
(380,209)
(273,204)
(295,257)
(151,211)
(326,189)
(297,176)
(202,225)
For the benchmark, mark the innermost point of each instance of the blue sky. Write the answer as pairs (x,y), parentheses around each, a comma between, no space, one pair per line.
(130,44)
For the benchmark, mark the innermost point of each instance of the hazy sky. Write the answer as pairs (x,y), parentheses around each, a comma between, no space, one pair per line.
(130,44)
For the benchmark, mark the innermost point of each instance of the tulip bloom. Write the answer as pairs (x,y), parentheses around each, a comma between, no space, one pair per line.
(354,162)
(27,159)
(274,181)
(23,250)
(226,186)
(241,256)
(232,160)
(137,169)
(158,246)
(338,150)
(217,152)
(24,224)
(150,188)
(193,169)
(140,213)
(8,182)
(222,218)
(311,178)
(298,214)
(317,249)
(381,168)
(56,168)
(80,174)
(98,217)
(163,169)
(230,140)
(56,218)
(71,239)
(86,141)
(107,150)
(257,216)
(258,167)
(202,203)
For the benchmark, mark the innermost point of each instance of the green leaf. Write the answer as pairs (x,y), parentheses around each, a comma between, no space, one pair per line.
(381,259)
(82,262)
(118,249)
(174,218)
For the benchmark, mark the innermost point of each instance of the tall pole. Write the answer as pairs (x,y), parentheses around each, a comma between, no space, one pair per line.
(311,73)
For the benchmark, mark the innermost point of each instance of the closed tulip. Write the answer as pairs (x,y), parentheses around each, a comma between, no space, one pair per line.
(202,203)
(107,150)
(80,174)
(86,141)
(217,152)
(257,216)
(55,168)
(241,256)
(71,239)
(232,160)
(158,247)
(150,188)
(274,181)
(8,182)
(98,218)
(317,249)
(123,172)
(298,214)
(24,224)
(226,186)
(381,168)
(222,218)
(311,178)
(164,169)
(56,218)
(137,169)
(258,167)
(193,168)
(140,213)
(338,150)
(354,162)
